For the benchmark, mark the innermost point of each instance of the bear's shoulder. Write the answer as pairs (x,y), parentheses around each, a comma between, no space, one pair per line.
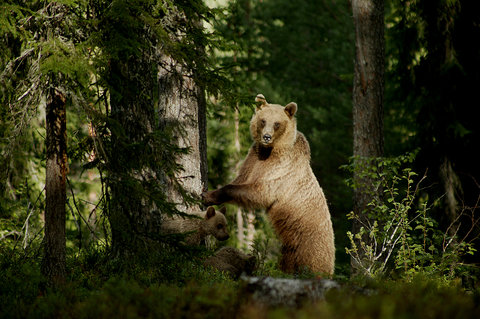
(301,145)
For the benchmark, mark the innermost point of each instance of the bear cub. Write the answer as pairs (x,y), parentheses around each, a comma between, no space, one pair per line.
(232,261)
(210,223)
(276,175)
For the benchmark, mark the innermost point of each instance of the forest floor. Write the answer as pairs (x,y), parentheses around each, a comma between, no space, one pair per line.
(178,286)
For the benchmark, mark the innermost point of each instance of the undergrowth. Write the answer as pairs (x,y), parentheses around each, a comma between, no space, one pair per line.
(158,285)
(173,284)
(422,298)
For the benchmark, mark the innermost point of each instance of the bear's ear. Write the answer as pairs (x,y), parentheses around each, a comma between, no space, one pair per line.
(210,212)
(260,101)
(223,210)
(291,109)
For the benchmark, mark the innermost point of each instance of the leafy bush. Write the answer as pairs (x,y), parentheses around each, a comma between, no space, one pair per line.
(398,231)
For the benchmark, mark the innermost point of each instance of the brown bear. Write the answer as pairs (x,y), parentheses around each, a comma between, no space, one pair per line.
(208,223)
(276,175)
(232,261)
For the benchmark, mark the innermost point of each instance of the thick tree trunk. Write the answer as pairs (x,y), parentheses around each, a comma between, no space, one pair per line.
(182,108)
(368,90)
(53,265)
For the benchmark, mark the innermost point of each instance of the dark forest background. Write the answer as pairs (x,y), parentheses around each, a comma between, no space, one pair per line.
(117,114)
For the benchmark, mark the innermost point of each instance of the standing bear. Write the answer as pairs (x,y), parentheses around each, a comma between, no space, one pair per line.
(276,175)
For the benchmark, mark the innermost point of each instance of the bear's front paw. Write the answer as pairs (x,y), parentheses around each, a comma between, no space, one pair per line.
(209,198)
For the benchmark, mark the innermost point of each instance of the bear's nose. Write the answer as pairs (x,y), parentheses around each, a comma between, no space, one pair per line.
(267,138)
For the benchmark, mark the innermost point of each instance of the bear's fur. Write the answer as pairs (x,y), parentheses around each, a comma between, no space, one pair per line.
(204,224)
(276,175)
(232,261)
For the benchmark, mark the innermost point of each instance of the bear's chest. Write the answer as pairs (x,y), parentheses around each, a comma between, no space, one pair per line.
(271,169)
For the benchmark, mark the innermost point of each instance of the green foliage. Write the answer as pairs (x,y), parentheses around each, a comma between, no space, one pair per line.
(266,248)
(398,231)
(170,285)
(423,297)
(156,285)
(224,154)
(63,58)
(45,52)
(431,74)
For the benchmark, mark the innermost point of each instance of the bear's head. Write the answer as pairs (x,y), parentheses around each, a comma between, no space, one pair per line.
(215,223)
(273,125)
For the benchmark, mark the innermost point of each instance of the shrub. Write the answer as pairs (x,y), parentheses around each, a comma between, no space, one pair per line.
(398,232)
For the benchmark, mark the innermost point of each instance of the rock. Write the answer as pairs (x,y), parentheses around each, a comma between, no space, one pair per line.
(274,292)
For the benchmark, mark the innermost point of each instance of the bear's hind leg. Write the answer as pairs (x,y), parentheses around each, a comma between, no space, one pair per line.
(288,260)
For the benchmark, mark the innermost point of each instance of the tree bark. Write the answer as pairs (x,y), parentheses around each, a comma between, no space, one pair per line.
(182,108)
(53,265)
(368,88)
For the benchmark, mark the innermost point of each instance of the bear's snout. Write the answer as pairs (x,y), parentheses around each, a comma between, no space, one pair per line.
(267,138)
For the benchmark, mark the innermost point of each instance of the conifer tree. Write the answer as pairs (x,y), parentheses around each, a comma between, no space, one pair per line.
(152,65)
(51,71)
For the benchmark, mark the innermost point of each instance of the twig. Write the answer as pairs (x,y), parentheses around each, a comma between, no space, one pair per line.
(92,232)
(25,225)
(76,224)
(13,232)
(9,69)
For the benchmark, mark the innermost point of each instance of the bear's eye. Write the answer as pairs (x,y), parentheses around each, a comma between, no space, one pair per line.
(219,226)
(276,125)
(262,122)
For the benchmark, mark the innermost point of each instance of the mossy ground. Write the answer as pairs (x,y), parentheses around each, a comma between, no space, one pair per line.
(176,285)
